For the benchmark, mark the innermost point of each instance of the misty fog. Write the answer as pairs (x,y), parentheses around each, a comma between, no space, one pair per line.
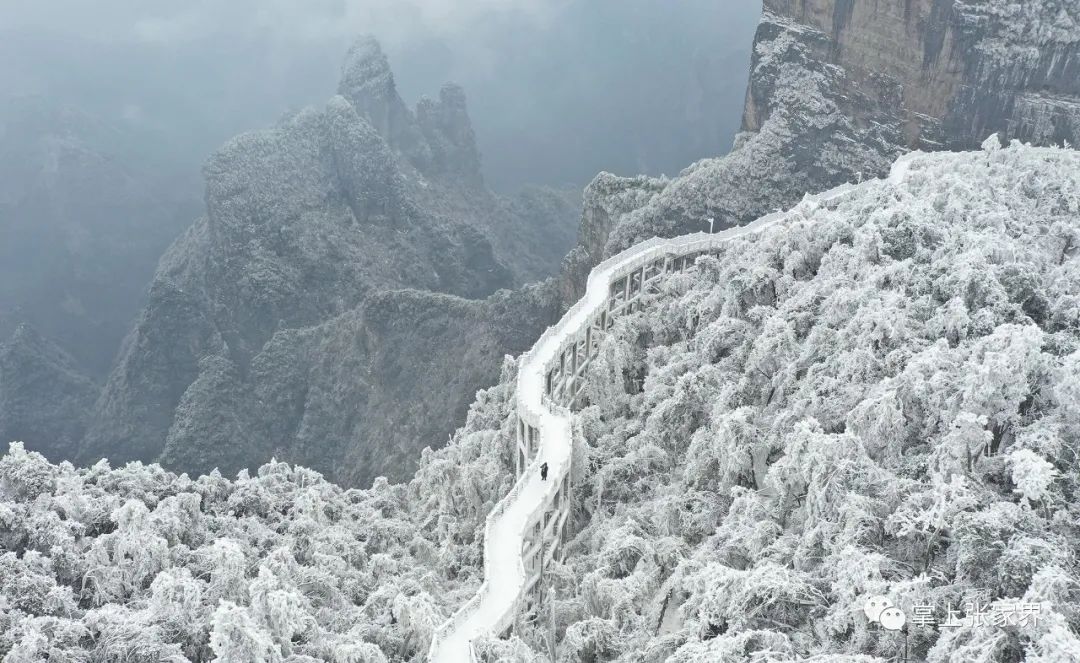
(558,89)
(368,331)
(109,110)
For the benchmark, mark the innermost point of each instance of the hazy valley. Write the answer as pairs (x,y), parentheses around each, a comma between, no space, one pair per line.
(312,444)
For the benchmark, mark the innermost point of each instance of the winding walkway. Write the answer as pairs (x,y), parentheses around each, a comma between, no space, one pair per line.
(492,610)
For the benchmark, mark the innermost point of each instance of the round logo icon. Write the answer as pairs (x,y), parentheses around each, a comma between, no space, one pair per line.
(874,606)
(892,619)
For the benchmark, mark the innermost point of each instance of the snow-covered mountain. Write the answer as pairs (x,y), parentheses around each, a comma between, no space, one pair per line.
(879,399)
(937,73)
(362,231)
(838,89)
(343,297)
(876,397)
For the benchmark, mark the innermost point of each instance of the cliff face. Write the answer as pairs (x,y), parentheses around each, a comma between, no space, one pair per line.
(838,89)
(949,72)
(260,337)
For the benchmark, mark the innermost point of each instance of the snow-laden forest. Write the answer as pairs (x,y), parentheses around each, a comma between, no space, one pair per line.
(881,398)
(139,565)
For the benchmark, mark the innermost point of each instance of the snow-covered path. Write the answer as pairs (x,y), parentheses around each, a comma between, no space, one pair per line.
(493,608)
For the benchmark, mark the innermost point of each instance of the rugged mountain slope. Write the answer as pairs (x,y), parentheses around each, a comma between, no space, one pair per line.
(86,209)
(258,337)
(880,397)
(948,72)
(838,88)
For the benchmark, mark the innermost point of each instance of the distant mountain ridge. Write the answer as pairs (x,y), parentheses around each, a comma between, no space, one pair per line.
(262,337)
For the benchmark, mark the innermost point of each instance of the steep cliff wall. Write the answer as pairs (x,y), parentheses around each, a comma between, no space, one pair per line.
(839,88)
(948,71)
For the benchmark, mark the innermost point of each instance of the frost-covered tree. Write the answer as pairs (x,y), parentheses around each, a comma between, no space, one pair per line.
(137,564)
(878,397)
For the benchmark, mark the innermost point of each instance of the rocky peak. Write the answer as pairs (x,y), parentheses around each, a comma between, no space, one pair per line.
(449,133)
(368,84)
(946,72)
(437,139)
(256,339)
(365,168)
(26,338)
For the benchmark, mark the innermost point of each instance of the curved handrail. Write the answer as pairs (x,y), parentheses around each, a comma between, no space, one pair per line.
(490,611)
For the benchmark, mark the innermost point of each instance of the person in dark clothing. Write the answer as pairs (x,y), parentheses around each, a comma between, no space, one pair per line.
(543,471)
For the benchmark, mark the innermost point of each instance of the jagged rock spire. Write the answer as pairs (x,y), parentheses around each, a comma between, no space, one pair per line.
(368,83)
(449,133)
(438,139)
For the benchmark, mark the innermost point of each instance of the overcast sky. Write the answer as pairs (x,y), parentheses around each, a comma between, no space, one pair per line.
(292,20)
(558,89)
